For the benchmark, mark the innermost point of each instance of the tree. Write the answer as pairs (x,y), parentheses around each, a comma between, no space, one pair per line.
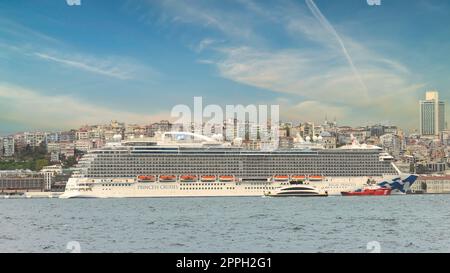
(70,162)
(40,163)
(421,169)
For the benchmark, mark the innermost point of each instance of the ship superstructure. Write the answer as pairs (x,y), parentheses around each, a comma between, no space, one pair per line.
(185,164)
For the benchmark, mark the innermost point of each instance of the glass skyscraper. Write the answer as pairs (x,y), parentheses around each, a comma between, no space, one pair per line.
(432,114)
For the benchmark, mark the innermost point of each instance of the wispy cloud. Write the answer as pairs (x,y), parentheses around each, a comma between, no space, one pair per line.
(204,14)
(35,110)
(92,65)
(20,39)
(319,65)
(11,29)
(326,24)
(204,44)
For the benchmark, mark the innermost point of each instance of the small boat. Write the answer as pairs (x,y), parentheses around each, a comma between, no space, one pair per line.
(208,178)
(297,191)
(147,178)
(315,178)
(167,178)
(368,192)
(188,178)
(281,177)
(226,178)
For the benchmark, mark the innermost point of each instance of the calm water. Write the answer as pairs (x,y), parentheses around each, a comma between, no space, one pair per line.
(419,223)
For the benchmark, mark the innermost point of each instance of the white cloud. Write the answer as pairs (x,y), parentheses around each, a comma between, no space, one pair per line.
(326,24)
(378,89)
(34,44)
(205,14)
(204,44)
(118,68)
(30,108)
(392,91)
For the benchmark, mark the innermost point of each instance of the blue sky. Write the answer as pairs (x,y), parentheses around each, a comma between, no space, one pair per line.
(64,66)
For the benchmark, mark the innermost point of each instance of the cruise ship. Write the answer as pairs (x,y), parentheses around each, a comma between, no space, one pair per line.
(182,164)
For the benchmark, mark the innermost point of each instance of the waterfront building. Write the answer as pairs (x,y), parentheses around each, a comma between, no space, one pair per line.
(307,130)
(68,136)
(82,134)
(432,114)
(377,130)
(8,146)
(229,129)
(436,167)
(392,144)
(33,139)
(67,149)
(328,140)
(53,147)
(445,137)
(48,173)
(52,137)
(432,184)
(54,157)
(20,181)
(286,142)
(162,126)
(391,130)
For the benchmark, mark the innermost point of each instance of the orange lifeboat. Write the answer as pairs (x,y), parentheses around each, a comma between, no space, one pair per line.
(147,178)
(208,178)
(298,178)
(188,178)
(315,178)
(167,178)
(281,177)
(226,178)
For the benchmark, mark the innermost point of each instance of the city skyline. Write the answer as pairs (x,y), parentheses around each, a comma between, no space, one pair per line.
(134,61)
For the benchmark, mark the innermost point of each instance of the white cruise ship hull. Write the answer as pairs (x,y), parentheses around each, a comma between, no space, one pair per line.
(130,188)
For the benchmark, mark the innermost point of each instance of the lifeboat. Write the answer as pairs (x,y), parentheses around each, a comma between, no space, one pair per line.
(208,178)
(298,178)
(188,178)
(315,178)
(167,178)
(281,177)
(367,192)
(226,178)
(147,178)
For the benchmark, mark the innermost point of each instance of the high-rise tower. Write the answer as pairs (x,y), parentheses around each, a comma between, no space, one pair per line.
(432,114)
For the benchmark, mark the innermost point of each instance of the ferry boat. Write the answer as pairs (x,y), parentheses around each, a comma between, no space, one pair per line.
(296,191)
(116,170)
